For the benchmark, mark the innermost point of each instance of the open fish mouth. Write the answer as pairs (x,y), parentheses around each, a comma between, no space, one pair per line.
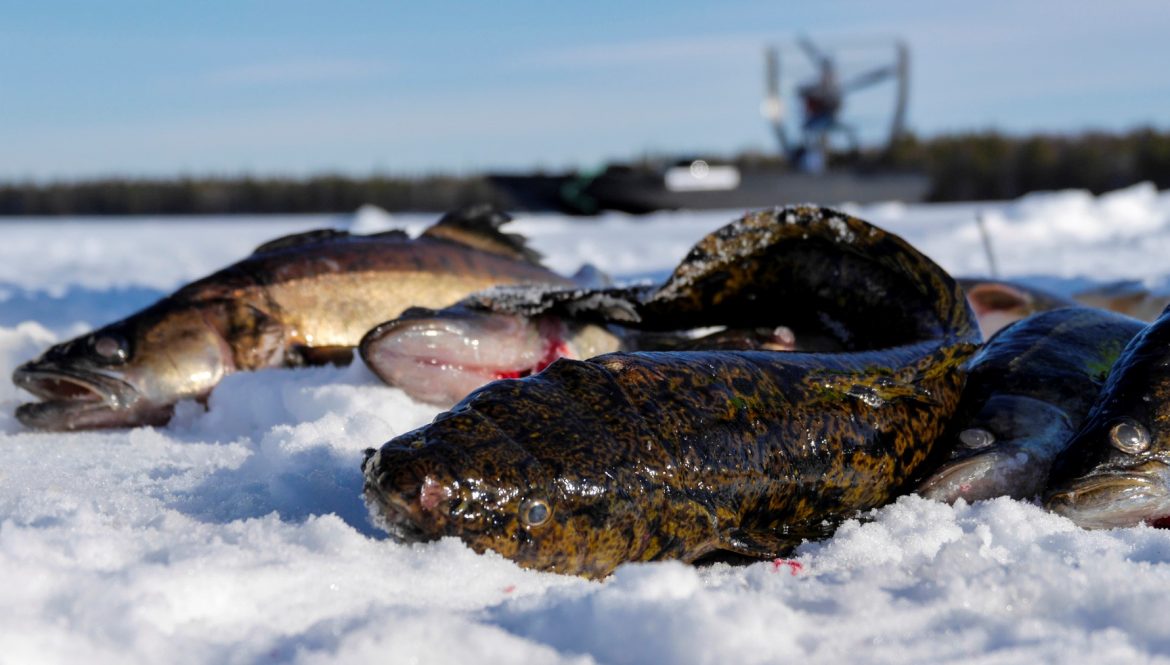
(398,514)
(72,398)
(1112,499)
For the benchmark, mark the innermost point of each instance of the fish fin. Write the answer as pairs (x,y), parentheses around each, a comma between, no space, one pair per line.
(612,305)
(339,356)
(388,234)
(478,226)
(758,544)
(998,297)
(314,237)
(589,276)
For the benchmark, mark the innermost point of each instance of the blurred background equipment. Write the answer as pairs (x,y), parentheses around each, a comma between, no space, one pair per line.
(837,155)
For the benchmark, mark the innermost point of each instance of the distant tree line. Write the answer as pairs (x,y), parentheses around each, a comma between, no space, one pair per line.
(990,165)
(220,195)
(964,167)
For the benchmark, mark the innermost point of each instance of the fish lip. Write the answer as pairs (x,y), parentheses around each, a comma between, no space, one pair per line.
(68,395)
(396,517)
(964,478)
(400,517)
(1090,503)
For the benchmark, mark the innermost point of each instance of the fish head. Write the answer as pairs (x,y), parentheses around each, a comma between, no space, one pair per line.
(439,356)
(462,477)
(1116,469)
(1006,449)
(128,373)
(997,305)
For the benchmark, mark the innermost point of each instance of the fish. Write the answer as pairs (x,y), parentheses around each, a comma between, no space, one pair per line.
(650,455)
(1127,297)
(1028,390)
(298,300)
(439,356)
(998,303)
(508,332)
(1115,471)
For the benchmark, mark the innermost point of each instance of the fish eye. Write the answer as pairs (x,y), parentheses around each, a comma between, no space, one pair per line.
(111,348)
(976,438)
(1129,436)
(534,512)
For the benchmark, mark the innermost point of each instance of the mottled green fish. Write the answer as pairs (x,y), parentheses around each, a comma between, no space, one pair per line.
(682,454)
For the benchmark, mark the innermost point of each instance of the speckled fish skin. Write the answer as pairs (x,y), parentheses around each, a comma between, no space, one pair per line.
(676,455)
(297,300)
(1029,387)
(1097,483)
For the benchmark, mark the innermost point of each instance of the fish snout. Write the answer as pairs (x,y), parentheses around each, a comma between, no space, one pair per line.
(410,498)
(439,357)
(1008,471)
(76,398)
(1112,499)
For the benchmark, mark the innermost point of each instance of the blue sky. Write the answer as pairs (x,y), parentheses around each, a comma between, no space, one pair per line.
(294,88)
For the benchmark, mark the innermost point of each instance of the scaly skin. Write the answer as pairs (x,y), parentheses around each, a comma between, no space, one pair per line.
(300,300)
(656,455)
(1098,483)
(1028,389)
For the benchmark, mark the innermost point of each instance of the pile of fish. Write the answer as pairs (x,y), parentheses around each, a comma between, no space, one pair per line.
(799,366)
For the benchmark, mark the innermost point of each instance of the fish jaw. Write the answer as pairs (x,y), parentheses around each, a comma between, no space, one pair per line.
(1115,498)
(1029,432)
(403,500)
(1008,471)
(440,356)
(73,398)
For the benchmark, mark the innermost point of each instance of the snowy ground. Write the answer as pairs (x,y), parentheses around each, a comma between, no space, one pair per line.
(237,535)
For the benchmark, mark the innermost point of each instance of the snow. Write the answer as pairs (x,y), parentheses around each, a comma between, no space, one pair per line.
(237,534)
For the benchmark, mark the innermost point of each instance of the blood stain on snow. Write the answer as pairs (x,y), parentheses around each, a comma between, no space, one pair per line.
(794,567)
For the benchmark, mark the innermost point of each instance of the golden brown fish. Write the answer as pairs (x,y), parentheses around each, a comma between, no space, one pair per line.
(302,299)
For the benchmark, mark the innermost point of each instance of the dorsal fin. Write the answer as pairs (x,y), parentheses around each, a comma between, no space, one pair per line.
(319,236)
(478,226)
(314,237)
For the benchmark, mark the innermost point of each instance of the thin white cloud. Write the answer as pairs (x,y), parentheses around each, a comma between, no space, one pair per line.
(298,71)
(683,51)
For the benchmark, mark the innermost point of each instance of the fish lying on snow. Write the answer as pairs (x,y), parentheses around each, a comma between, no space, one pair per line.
(301,299)
(1028,389)
(1116,470)
(681,454)
(510,332)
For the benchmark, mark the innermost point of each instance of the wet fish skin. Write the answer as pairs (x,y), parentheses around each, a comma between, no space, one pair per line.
(654,455)
(298,300)
(1099,484)
(439,356)
(1029,387)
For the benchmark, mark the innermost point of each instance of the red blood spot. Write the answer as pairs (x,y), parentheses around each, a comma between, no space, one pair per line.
(794,567)
(554,347)
(510,588)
